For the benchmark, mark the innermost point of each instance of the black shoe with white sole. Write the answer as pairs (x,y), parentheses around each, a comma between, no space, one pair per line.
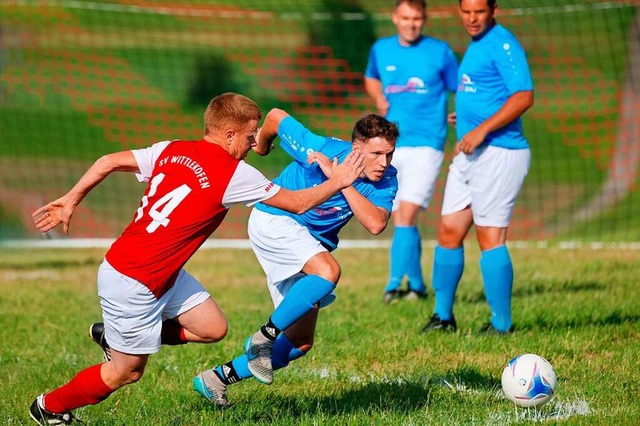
(96,332)
(437,324)
(40,415)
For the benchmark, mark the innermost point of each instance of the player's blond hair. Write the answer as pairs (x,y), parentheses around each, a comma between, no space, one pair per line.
(230,111)
(415,4)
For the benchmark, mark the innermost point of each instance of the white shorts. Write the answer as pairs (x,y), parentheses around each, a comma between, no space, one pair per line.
(133,316)
(282,247)
(489,181)
(418,169)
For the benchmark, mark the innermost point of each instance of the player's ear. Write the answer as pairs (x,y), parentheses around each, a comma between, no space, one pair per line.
(229,134)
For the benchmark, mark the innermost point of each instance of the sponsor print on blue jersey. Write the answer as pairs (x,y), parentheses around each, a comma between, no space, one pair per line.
(416,80)
(326,220)
(493,68)
(466,84)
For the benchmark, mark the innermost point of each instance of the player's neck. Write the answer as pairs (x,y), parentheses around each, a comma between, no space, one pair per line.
(486,31)
(406,43)
(217,141)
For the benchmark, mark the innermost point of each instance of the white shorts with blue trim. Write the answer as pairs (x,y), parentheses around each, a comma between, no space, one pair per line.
(282,247)
(133,316)
(489,181)
(418,170)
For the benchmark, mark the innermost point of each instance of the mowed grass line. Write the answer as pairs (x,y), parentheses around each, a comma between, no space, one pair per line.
(370,365)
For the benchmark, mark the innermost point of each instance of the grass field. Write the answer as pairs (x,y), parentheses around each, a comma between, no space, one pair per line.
(577,308)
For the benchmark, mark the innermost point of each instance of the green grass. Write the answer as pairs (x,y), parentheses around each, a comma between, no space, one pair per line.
(370,366)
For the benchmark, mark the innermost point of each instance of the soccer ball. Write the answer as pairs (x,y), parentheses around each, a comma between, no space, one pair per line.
(529,380)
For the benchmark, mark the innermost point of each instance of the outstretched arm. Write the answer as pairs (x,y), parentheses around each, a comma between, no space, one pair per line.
(269,131)
(61,210)
(341,176)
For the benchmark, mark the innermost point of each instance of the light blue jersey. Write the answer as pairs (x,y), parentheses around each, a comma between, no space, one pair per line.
(493,68)
(325,221)
(415,80)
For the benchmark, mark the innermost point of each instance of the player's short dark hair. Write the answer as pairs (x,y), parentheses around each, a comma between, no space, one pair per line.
(230,110)
(416,4)
(372,126)
(490,3)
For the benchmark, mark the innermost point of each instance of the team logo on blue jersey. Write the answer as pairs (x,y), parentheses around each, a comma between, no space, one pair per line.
(327,211)
(292,142)
(467,85)
(414,85)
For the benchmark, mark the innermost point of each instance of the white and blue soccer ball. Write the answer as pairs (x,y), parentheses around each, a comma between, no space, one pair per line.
(529,380)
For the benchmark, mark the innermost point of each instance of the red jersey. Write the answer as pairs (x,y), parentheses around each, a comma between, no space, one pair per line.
(191,185)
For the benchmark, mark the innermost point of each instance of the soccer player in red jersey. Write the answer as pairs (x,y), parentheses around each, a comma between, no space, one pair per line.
(147,298)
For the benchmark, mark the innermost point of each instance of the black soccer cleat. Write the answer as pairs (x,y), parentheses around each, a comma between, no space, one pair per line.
(489,329)
(437,324)
(393,296)
(96,332)
(40,415)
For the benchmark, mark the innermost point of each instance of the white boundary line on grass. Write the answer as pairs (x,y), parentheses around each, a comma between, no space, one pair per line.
(344,244)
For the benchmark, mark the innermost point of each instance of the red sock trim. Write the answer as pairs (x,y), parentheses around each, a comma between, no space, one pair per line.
(86,388)
(173,333)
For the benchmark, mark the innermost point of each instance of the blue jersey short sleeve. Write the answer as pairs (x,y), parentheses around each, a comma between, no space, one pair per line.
(383,192)
(493,68)
(372,65)
(416,81)
(326,220)
(298,141)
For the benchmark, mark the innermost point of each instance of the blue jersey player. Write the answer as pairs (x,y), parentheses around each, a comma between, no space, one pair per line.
(294,249)
(409,76)
(491,162)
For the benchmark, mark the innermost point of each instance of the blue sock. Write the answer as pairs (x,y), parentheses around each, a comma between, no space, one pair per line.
(497,275)
(448,265)
(401,247)
(240,364)
(414,268)
(300,299)
(283,352)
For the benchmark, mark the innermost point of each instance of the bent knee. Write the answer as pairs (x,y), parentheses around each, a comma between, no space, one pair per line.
(330,271)
(323,265)
(134,376)
(216,333)
(450,235)
(126,378)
